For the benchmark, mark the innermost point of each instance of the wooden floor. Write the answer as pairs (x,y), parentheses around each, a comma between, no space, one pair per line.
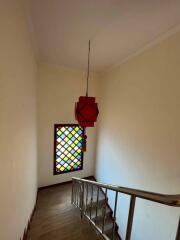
(56,219)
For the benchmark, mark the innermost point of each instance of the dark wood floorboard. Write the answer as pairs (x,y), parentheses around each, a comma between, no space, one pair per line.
(56,219)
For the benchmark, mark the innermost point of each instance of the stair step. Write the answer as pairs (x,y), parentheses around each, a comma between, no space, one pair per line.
(117,237)
(99,217)
(108,226)
(94,204)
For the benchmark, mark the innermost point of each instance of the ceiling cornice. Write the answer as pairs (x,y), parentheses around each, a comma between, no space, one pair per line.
(147,46)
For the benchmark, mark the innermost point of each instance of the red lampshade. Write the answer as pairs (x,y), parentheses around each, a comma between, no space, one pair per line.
(86,111)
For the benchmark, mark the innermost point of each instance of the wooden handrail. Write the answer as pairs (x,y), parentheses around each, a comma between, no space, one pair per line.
(170,200)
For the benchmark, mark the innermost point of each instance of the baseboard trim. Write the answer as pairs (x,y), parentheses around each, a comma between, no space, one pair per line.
(54,185)
(62,183)
(27,228)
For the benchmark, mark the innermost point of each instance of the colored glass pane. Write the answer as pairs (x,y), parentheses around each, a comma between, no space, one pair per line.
(58,146)
(73,145)
(75,154)
(76,135)
(63,129)
(69,155)
(66,152)
(72,157)
(76,141)
(62,136)
(66,145)
(72,151)
(69,142)
(58,133)
(69,149)
(80,132)
(70,135)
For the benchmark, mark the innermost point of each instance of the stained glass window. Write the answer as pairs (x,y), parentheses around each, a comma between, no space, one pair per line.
(68,154)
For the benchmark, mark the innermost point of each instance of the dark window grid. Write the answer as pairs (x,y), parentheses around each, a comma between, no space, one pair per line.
(79,156)
(66,148)
(72,170)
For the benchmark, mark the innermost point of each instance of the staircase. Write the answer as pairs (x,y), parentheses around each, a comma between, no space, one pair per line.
(95,208)
(91,198)
(100,213)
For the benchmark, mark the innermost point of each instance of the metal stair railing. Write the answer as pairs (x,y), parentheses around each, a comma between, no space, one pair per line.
(80,195)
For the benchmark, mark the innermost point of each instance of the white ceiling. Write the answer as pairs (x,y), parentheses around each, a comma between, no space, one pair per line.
(117,29)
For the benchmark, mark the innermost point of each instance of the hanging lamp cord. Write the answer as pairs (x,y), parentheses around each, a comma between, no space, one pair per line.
(87,88)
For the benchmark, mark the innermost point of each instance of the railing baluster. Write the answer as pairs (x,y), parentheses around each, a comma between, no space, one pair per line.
(97,203)
(75,192)
(91,200)
(104,211)
(114,216)
(82,198)
(178,231)
(79,194)
(130,217)
(86,196)
(72,195)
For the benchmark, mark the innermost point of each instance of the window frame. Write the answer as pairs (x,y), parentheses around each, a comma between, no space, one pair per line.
(82,153)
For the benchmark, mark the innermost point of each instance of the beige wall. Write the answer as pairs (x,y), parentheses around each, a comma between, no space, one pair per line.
(139,135)
(58,90)
(18,181)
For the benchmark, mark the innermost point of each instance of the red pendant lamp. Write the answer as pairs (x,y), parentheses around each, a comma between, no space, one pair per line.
(86,109)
